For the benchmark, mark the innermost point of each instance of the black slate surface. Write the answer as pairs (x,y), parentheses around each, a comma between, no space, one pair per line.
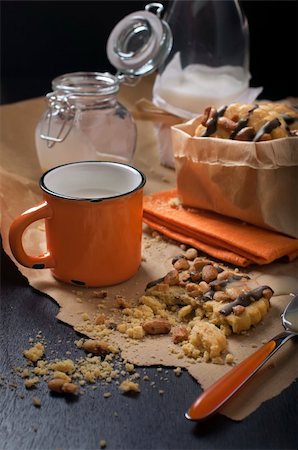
(146,421)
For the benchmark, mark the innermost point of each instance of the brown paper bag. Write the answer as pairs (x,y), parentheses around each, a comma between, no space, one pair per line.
(256,182)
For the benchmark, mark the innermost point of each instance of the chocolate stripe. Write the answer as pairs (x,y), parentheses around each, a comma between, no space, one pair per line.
(243,122)
(267,128)
(244,299)
(212,122)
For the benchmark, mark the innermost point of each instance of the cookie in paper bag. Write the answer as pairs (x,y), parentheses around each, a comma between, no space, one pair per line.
(241,161)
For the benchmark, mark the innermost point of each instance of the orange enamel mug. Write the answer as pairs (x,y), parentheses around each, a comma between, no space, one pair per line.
(93,223)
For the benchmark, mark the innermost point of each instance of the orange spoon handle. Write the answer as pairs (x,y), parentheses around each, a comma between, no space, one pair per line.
(222,390)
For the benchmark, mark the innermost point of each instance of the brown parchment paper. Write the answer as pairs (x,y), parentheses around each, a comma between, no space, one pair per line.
(19,190)
(256,182)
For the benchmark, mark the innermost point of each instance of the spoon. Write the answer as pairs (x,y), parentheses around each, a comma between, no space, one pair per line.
(213,398)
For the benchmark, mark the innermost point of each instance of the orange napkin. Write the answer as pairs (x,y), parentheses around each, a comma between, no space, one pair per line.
(222,237)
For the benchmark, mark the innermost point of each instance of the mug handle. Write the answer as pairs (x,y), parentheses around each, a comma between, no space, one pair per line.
(17,228)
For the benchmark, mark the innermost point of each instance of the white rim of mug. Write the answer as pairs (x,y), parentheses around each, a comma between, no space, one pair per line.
(87,199)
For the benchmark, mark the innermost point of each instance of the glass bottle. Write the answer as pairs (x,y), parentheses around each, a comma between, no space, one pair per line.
(209,61)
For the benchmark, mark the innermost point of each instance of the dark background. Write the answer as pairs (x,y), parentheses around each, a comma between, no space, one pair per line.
(43,39)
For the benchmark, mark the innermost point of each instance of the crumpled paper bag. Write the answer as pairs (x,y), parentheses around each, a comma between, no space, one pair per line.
(187,92)
(256,182)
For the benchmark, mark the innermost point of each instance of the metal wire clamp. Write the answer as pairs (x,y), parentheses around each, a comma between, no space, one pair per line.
(58,105)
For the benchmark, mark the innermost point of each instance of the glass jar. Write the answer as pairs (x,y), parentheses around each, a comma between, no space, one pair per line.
(85,121)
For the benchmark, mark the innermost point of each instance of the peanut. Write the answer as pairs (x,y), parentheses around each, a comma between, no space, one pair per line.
(238,310)
(199,263)
(177,257)
(196,276)
(190,287)
(204,287)
(157,326)
(191,254)
(179,334)
(181,264)
(226,124)
(209,273)
(246,134)
(172,278)
(62,387)
(206,115)
(220,296)
(267,293)
(96,347)
(224,275)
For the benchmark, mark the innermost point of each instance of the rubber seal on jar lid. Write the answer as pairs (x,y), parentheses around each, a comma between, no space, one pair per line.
(139,43)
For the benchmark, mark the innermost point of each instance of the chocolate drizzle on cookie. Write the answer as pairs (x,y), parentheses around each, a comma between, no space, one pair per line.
(245,299)
(177,257)
(208,295)
(224,283)
(243,123)
(221,284)
(267,128)
(154,283)
(289,119)
(211,123)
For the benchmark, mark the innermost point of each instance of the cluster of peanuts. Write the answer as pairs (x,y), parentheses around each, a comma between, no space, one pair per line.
(249,122)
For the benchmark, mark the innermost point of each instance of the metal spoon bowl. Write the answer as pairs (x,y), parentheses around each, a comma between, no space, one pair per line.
(222,390)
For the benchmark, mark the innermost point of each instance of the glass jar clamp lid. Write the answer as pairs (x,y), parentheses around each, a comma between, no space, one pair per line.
(139,43)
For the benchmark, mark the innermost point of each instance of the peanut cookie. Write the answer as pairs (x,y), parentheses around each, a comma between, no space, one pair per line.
(249,122)
(206,290)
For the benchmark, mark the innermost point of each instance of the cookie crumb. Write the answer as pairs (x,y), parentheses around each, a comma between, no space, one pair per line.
(129,386)
(34,353)
(229,359)
(102,443)
(174,202)
(178,371)
(31,382)
(99,294)
(85,317)
(36,402)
